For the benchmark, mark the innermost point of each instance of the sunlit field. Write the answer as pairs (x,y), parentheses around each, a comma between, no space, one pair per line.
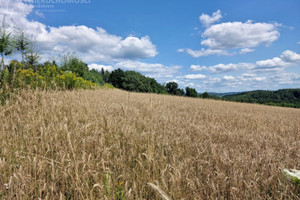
(111,144)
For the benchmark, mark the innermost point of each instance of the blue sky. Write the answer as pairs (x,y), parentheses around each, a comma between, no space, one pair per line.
(215,46)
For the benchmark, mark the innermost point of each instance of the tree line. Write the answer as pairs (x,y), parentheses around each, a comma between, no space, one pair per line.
(283,97)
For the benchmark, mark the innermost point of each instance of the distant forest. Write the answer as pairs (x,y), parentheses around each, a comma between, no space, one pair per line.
(284,97)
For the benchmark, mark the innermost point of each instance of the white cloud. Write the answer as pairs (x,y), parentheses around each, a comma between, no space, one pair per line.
(268,69)
(221,68)
(249,81)
(15,7)
(290,56)
(286,59)
(207,20)
(228,78)
(298,42)
(151,69)
(213,80)
(247,75)
(194,76)
(93,45)
(260,78)
(99,67)
(204,52)
(197,68)
(222,37)
(227,83)
(246,50)
(233,35)
(250,77)
(189,85)
(286,78)
(180,50)
(40,14)
(274,62)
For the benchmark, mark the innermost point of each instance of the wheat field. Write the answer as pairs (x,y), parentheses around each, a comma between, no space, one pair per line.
(111,144)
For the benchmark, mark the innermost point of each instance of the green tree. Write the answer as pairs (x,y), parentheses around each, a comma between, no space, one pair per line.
(172,88)
(116,78)
(21,43)
(94,76)
(5,42)
(70,62)
(135,81)
(205,95)
(191,92)
(106,76)
(102,72)
(32,57)
(180,92)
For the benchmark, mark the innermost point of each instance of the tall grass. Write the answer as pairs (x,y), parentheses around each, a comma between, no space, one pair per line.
(110,144)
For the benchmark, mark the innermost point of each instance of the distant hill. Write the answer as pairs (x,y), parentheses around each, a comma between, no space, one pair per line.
(223,94)
(283,97)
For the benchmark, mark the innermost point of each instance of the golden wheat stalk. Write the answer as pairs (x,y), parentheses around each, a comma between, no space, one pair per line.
(160,191)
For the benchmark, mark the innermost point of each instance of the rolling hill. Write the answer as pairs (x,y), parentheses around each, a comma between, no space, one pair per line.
(284,97)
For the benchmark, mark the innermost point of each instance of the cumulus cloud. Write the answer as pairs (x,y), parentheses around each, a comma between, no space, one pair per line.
(247,75)
(246,50)
(204,52)
(242,36)
(274,62)
(222,68)
(233,35)
(194,76)
(213,80)
(250,77)
(197,68)
(286,59)
(151,69)
(285,78)
(228,82)
(180,50)
(290,56)
(93,45)
(15,7)
(207,20)
(249,81)
(228,78)
(190,85)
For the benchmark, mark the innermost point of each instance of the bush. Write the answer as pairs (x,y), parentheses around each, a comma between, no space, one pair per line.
(108,86)
(46,78)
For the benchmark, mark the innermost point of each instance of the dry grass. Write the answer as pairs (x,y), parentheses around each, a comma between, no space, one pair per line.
(110,144)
